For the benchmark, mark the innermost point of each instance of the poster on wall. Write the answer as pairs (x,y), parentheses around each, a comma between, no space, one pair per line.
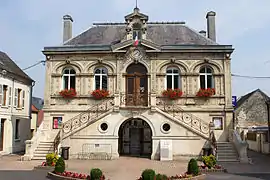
(218,124)
(57,122)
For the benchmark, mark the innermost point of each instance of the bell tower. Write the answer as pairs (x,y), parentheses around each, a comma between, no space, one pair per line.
(136,25)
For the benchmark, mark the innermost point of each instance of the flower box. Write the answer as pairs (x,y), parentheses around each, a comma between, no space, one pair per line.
(218,168)
(206,92)
(172,93)
(100,93)
(69,176)
(68,93)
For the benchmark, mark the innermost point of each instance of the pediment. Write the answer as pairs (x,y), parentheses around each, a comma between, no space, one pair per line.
(125,46)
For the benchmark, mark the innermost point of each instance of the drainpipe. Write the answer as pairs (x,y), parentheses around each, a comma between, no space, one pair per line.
(268,124)
(30,99)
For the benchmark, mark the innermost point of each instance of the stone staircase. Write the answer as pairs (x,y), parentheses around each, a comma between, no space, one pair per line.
(42,150)
(226,152)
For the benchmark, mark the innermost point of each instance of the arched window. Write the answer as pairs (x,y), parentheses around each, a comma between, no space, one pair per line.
(206,77)
(101,78)
(172,78)
(137,31)
(69,79)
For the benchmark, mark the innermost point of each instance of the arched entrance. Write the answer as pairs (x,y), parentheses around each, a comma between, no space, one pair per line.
(135,138)
(136,85)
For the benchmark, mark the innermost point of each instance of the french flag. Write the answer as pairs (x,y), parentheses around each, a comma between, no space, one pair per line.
(136,43)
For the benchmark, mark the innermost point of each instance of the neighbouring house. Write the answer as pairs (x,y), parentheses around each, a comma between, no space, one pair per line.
(37,114)
(15,106)
(136,88)
(251,115)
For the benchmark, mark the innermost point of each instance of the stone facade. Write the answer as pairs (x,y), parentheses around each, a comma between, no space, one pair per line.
(188,117)
(254,107)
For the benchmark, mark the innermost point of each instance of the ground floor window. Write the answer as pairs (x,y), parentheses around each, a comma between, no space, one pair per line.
(57,122)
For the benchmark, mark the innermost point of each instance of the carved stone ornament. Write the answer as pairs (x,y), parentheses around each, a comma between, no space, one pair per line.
(100,60)
(67,61)
(173,60)
(206,60)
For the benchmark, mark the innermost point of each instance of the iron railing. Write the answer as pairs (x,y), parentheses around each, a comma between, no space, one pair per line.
(90,115)
(189,119)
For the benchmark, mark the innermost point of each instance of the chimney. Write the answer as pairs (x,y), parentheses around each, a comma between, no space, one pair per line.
(203,32)
(67,31)
(211,25)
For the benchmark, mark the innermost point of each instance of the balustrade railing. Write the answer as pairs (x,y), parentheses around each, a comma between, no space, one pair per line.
(90,115)
(177,112)
(135,100)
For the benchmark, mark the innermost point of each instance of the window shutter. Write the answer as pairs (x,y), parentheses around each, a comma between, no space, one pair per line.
(15,97)
(23,98)
(9,96)
(1,94)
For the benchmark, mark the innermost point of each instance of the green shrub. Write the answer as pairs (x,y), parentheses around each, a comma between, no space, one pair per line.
(148,174)
(193,167)
(95,174)
(209,161)
(51,159)
(60,165)
(161,177)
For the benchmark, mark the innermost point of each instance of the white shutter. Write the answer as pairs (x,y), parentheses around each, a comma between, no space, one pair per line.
(9,96)
(15,97)
(1,94)
(23,98)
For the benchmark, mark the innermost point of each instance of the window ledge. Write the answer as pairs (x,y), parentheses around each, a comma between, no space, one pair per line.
(17,140)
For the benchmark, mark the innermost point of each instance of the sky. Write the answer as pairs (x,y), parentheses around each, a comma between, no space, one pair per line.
(27,26)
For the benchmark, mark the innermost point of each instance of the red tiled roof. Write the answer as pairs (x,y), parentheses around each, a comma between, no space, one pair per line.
(34,109)
(40,117)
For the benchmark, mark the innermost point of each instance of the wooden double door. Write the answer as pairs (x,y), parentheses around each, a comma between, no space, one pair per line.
(135,138)
(136,86)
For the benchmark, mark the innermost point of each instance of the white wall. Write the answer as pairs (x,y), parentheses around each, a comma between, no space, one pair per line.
(10,113)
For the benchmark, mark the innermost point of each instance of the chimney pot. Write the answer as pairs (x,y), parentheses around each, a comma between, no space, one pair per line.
(67,29)
(211,25)
(203,32)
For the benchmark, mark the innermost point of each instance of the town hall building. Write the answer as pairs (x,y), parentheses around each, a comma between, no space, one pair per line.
(136,88)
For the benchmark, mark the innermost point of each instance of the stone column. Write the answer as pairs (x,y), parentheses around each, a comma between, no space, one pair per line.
(227,82)
(117,84)
(153,84)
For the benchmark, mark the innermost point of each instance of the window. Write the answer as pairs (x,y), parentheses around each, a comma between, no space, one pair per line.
(206,78)
(23,98)
(172,78)
(17,125)
(137,31)
(17,98)
(101,78)
(57,122)
(4,100)
(68,78)
(9,96)
(1,94)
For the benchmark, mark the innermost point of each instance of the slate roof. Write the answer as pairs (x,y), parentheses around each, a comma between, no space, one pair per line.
(161,34)
(247,96)
(12,68)
(37,102)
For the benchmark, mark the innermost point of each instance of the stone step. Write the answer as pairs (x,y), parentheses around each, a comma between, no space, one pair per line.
(46,145)
(39,158)
(45,148)
(43,152)
(227,160)
(225,150)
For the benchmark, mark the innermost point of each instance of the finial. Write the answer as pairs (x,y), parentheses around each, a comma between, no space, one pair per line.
(136,4)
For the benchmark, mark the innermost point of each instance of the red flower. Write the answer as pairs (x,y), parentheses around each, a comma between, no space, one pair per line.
(172,93)
(100,93)
(206,92)
(68,93)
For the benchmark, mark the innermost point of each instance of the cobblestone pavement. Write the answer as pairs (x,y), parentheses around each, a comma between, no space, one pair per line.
(130,168)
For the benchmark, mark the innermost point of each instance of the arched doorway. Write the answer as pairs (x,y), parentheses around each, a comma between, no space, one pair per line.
(135,138)
(136,85)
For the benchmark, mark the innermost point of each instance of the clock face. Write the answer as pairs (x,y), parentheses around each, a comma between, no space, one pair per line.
(136,53)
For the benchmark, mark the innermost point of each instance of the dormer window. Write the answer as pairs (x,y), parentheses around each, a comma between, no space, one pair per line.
(137,31)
